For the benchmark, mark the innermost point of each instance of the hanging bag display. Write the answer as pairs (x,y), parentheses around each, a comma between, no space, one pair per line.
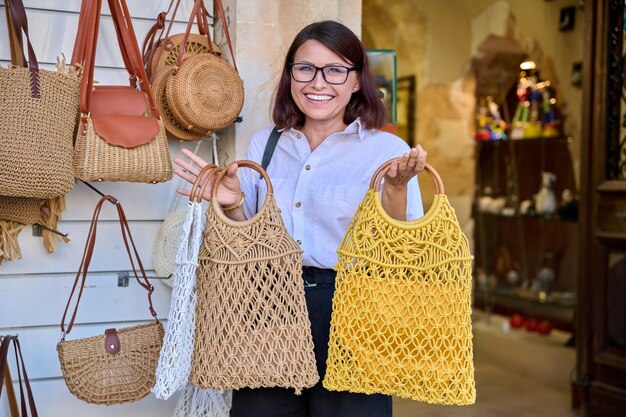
(401,320)
(17,212)
(37,121)
(27,401)
(204,92)
(120,135)
(120,365)
(252,326)
(174,365)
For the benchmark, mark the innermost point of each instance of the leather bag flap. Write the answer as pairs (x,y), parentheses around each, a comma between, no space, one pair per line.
(118,100)
(125,131)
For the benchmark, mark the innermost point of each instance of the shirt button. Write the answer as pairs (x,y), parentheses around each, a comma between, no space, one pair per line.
(298,242)
(298,204)
(298,135)
(308,167)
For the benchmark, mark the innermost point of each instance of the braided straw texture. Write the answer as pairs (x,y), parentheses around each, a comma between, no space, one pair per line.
(197,402)
(167,244)
(172,126)
(97,160)
(252,326)
(98,377)
(401,312)
(174,365)
(168,49)
(206,93)
(20,209)
(36,133)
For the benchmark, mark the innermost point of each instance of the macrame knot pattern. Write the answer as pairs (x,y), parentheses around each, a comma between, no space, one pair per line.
(401,321)
(252,326)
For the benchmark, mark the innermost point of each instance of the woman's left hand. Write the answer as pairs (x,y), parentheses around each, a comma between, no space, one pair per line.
(411,164)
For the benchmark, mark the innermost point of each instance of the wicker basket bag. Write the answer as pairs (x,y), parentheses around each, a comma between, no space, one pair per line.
(252,326)
(37,120)
(401,320)
(120,365)
(205,92)
(120,136)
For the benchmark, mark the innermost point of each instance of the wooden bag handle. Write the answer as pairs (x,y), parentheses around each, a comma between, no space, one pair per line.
(244,163)
(384,168)
(202,180)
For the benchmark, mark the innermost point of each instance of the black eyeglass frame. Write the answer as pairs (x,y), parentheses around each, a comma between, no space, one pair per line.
(350,69)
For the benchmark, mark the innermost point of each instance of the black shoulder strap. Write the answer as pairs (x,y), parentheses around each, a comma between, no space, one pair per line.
(269,147)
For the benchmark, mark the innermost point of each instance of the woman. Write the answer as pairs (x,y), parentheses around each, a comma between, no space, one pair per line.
(329,110)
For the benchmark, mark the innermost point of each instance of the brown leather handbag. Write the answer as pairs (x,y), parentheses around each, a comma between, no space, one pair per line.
(120,136)
(120,365)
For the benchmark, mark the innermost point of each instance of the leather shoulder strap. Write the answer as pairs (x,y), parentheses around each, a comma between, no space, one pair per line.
(81,275)
(270,146)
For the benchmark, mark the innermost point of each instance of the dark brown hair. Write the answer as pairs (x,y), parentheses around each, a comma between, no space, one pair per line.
(364,103)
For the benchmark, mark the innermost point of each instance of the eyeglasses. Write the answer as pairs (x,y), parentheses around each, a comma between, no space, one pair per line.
(333,74)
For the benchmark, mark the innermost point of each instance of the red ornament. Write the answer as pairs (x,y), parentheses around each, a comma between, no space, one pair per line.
(517,321)
(531,325)
(545,327)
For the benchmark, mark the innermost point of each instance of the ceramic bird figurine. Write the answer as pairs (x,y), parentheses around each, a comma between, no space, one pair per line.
(546,199)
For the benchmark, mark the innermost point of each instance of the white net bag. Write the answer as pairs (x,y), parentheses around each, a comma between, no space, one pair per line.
(174,364)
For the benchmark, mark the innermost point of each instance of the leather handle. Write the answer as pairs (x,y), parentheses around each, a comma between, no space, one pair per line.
(81,275)
(20,24)
(15,41)
(217,4)
(88,33)
(244,163)
(382,170)
(21,370)
(203,178)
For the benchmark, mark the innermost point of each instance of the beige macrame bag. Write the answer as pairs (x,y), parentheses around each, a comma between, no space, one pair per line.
(401,321)
(252,326)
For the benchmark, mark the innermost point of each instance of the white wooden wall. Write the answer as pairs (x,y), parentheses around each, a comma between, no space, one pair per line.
(34,289)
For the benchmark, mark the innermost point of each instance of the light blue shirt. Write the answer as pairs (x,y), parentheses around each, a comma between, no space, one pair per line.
(318,192)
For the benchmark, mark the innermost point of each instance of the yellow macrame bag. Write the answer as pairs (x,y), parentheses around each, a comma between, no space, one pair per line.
(401,320)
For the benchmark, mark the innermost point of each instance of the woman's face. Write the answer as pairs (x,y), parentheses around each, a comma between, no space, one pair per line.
(319,100)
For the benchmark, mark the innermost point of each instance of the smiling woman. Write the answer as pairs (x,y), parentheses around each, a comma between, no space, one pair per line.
(327,114)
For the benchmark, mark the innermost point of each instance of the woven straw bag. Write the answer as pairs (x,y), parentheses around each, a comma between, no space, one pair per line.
(174,366)
(205,93)
(252,326)
(120,365)
(197,402)
(37,121)
(120,137)
(172,126)
(401,320)
(161,50)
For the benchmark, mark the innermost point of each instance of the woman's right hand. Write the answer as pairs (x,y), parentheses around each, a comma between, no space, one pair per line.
(229,191)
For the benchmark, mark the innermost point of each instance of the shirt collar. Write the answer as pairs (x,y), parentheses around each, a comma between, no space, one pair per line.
(355,127)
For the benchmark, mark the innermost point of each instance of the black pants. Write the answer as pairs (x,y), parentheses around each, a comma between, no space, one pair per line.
(316,401)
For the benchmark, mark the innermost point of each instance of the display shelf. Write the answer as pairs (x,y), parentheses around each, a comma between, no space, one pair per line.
(524,217)
(558,307)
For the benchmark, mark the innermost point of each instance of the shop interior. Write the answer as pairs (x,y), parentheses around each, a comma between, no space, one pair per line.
(521,107)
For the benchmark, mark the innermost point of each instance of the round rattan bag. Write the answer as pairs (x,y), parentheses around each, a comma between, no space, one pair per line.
(167,52)
(172,126)
(205,94)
